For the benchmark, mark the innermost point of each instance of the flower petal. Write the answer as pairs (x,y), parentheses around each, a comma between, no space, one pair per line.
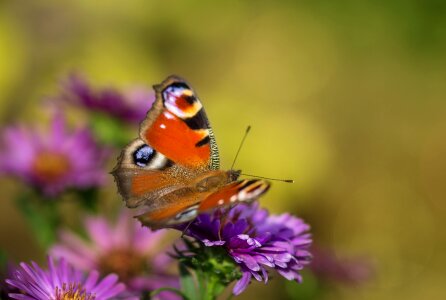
(241,285)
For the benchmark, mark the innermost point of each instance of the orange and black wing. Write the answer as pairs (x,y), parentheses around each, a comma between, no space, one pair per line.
(193,203)
(233,193)
(177,126)
(176,143)
(141,175)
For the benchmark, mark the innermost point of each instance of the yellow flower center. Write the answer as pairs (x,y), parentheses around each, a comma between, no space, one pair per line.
(123,262)
(50,166)
(73,292)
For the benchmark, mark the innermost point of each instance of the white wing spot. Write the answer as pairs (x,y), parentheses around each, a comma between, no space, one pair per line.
(233,198)
(187,214)
(221,202)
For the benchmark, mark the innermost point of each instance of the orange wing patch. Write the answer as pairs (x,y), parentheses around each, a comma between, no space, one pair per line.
(183,208)
(239,191)
(144,183)
(166,213)
(173,138)
(220,197)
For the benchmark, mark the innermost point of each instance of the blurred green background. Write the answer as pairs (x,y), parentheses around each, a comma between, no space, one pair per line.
(346,97)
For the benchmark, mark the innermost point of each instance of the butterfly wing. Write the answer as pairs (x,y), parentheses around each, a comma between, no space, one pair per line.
(177,126)
(195,202)
(176,144)
(183,207)
(233,193)
(141,176)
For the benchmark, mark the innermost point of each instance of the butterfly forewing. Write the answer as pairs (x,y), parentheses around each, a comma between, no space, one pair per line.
(177,126)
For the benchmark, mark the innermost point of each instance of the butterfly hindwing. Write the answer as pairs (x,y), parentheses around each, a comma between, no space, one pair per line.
(183,208)
(140,175)
(194,202)
(235,192)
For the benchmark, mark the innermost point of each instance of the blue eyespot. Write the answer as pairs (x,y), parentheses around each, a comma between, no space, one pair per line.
(143,155)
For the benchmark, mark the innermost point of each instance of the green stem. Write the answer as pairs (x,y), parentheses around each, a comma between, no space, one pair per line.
(42,216)
(209,286)
(210,293)
(201,284)
(205,274)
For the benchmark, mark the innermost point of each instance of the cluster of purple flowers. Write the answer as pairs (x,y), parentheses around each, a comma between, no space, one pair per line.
(256,240)
(122,260)
(119,260)
(128,255)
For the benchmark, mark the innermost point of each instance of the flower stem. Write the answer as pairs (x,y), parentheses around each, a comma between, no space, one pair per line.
(42,217)
(213,288)
(202,286)
(205,271)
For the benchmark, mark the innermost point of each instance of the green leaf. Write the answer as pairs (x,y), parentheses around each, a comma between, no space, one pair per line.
(188,284)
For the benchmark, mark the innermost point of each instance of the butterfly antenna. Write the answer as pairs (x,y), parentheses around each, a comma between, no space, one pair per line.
(275,179)
(240,147)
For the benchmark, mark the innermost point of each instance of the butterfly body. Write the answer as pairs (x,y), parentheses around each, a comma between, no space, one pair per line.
(172,170)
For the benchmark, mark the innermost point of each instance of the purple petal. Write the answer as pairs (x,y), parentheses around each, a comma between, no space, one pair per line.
(209,243)
(248,260)
(241,285)
(287,273)
(264,261)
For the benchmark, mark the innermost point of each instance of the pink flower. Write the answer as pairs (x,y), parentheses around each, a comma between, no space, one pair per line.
(53,160)
(125,248)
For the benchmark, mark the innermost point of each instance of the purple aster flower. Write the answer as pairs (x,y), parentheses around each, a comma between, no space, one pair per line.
(61,281)
(130,106)
(256,240)
(52,160)
(124,248)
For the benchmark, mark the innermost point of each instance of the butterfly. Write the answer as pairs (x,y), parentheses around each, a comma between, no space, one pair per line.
(172,170)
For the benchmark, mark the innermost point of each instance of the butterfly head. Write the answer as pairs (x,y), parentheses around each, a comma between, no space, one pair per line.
(233,175)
